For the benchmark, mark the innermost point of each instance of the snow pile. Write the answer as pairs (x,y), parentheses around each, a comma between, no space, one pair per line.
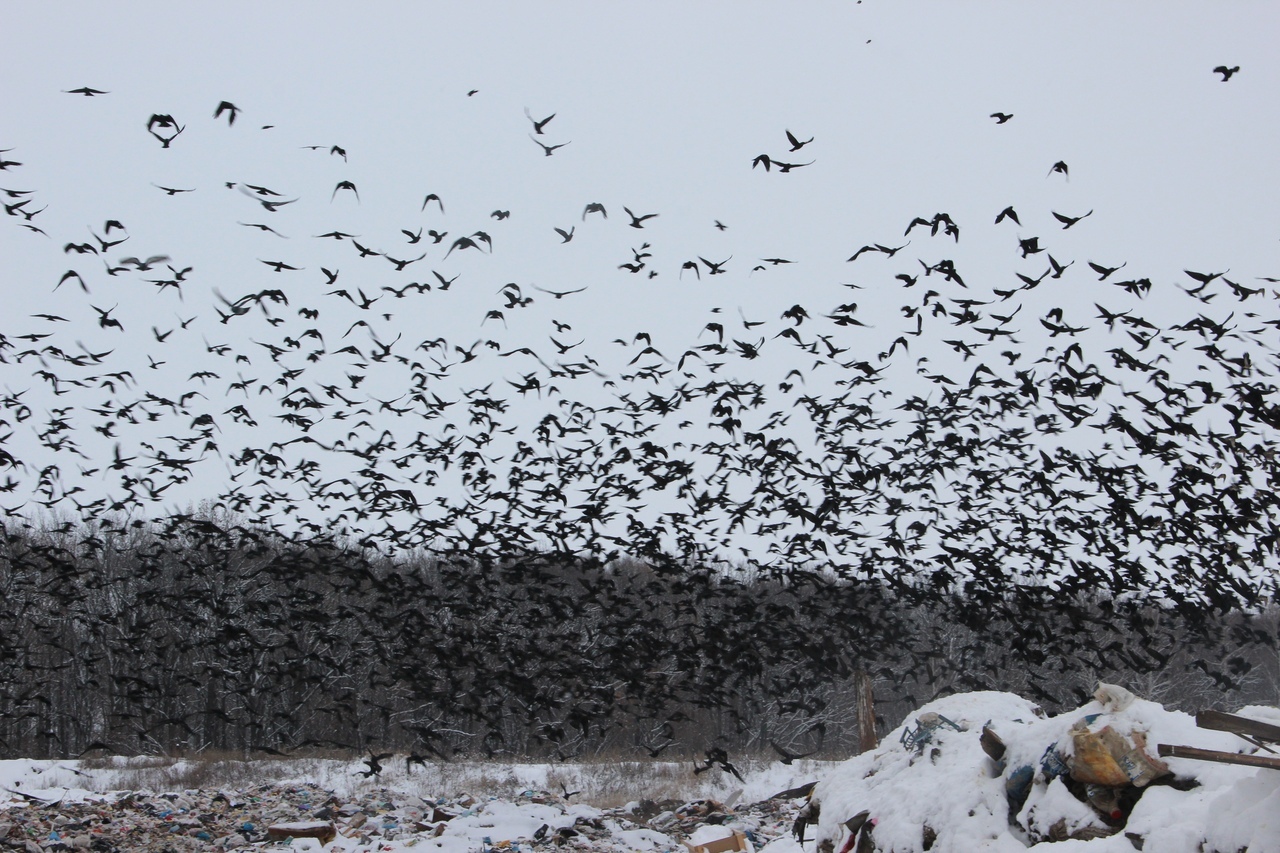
(930,785)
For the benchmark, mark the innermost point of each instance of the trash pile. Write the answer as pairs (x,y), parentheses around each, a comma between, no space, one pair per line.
(308,817)
(991,771)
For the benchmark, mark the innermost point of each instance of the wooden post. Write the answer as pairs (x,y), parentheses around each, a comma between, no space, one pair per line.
(867,739)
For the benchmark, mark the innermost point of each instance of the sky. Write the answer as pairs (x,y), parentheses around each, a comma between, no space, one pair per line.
(661,108)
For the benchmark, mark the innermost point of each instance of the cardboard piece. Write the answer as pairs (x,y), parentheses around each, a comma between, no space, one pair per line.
(735,842)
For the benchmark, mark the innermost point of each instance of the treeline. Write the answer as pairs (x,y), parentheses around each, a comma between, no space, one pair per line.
(200,633)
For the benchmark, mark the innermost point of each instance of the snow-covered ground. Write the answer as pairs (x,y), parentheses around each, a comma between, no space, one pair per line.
(950,785)
(939,791)
(152,804)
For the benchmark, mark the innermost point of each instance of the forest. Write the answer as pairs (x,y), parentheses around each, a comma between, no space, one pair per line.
(203,633)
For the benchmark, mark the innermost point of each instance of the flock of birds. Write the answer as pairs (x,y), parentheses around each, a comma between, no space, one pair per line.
(799,467)
(1077,445)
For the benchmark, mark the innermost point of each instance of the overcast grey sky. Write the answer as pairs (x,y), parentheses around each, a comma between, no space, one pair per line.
(661,108)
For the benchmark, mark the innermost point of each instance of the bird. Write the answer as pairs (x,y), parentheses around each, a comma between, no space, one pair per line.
(565,236)
(796,144)
(261,227)
(430,198)
(715,268)
(1068,221)
(718,757)
(374,762)
(172,191)
(638,221)
(163,120)
(89,93)
(268,204)
(230,109)
(538,125)
(280,266)
(559,294)
(785,756)
(548,149)
(345,185)
(1060,167)
(1226,72)
(1104,272)
(1001,118)
(594,207)
(1008,213)
(787,167)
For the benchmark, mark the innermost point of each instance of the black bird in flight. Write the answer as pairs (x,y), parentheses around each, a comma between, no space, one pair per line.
(559,294)
(715,268)
(1068,221)
(375,764)
(89,93)
(267,204)
(1010,213)
(638,221)
(227,107)
(548,149)
(1105,272)
(164,121)
(345,185)
(1059,166)
(430,198)
(787,757)
(796,144)
(171,190)
(1226,72)
(1001,118)
(261,227)
(538,125)
(594,207)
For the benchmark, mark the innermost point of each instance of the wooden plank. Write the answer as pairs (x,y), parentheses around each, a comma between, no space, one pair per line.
(1221,722)
(1167,751)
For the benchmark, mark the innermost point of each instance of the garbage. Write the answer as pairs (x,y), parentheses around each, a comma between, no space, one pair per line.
(1005,776)
(709,839)
(306,816)
(323,830)
(926,725)
(1091,762)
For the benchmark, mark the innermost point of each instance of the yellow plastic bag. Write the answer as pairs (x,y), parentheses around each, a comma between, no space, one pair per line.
(1092,762)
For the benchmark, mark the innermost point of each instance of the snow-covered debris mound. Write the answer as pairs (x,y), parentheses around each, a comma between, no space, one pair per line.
(931,784)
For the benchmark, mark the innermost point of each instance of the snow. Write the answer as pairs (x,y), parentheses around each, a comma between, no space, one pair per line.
(946,783)
(951,786)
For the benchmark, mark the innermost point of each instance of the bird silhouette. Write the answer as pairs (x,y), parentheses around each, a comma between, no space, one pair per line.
(797,144)
(230,109)
(538,125)
(547,149)
(638,221)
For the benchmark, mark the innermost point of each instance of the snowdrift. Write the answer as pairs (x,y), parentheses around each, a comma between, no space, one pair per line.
(930,785)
